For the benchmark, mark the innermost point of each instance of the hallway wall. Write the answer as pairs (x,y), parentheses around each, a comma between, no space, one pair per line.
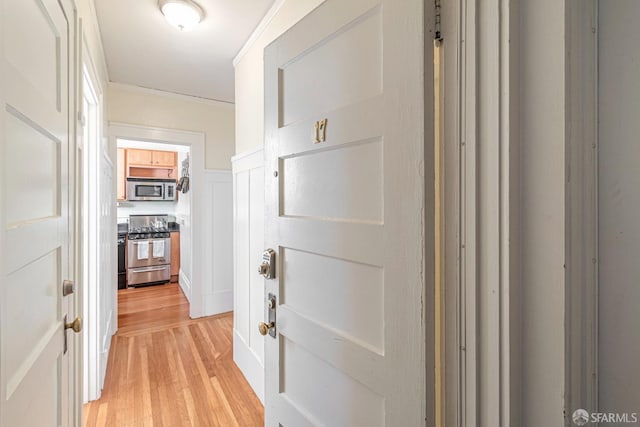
(249,70)
(146,107)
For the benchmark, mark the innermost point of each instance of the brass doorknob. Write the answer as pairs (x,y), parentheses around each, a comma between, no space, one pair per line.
(76,325)
(264,327)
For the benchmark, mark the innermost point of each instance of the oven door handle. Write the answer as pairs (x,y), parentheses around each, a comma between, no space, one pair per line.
(148,269)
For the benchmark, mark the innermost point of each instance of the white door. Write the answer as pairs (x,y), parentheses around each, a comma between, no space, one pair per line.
(344,217)
(618,206)
(36,248)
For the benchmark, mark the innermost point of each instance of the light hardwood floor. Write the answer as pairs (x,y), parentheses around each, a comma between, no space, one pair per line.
(167,370)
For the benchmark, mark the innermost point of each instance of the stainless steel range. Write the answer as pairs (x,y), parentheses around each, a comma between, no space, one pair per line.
(149,248)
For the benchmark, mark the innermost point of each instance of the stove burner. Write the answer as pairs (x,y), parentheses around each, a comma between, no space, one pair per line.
(148,235)
(148,230)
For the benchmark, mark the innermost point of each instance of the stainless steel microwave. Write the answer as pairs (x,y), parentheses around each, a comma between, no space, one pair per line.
(151,189)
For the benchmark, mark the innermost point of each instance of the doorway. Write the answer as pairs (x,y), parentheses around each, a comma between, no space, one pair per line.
(175,214)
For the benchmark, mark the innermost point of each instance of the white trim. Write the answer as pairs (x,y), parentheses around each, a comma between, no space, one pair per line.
(249,364)
(247,160)
(196,140)
(266,20)
(89,64)
(97,346)
(489,205)
(218,302)
(217,236)
(171,95)
(185,284)
(100,47)
(581,204)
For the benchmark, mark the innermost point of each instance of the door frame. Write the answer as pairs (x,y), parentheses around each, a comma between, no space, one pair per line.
(581,204)
(480,122)
(90,291)
(196,142)
(484,53)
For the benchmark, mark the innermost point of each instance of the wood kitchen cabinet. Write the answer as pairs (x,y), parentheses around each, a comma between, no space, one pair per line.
(151,164)
(164,158)
(175,256)
(151,158)
(121,173)
(139,157)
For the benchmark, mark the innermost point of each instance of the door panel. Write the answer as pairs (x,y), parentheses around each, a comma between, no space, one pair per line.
(40,28)
(334,297)
(318,173)
(33,160)
(36,378)
(347,65)
(345,217)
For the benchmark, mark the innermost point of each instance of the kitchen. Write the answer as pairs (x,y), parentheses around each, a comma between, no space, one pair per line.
(153,201)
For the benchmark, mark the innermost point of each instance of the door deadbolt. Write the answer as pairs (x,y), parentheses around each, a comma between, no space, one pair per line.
(268,266)
(269,327)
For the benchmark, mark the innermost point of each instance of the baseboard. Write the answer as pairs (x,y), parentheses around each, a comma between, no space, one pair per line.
(185,284)
(250,365)
(218,302)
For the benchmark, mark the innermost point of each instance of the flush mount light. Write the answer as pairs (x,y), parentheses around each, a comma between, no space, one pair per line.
(182,14)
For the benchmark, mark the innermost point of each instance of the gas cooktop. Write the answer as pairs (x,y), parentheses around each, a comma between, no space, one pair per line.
(149,226)
(155,235)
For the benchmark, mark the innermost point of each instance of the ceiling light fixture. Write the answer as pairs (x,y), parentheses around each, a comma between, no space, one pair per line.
(182,14)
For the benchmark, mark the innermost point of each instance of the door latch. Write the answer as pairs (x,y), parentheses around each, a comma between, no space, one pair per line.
(270,326)
(268,266)
(76,326)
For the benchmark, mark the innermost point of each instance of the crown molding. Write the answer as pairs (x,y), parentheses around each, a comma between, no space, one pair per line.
(171,95)
(266,20)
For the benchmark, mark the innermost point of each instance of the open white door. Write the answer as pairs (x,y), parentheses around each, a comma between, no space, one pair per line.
(344,214)
(36,248)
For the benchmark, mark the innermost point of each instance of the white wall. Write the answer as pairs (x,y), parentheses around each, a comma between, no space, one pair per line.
(248,244)
(183,218)
(144,208)
(145,107)
(249,71)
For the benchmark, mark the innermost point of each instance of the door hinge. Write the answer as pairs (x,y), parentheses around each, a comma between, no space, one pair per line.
(437,18)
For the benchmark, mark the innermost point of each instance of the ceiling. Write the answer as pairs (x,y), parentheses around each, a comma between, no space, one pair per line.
(142,49)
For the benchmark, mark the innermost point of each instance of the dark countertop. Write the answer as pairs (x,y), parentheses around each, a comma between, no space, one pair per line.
(174,226)
(123,228)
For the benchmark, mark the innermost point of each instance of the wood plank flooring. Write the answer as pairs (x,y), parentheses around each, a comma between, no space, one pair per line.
(168,370)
